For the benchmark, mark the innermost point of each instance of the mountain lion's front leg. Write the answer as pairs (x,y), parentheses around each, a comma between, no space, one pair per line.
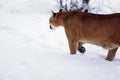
(81,49)
(72,46)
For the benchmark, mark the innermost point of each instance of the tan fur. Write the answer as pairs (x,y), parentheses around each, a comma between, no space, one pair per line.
(101,30)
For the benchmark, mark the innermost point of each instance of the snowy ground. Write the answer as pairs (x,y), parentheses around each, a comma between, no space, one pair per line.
(29,50)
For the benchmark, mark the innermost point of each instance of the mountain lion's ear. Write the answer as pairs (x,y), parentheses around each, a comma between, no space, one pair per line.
(53,13)
(60,10)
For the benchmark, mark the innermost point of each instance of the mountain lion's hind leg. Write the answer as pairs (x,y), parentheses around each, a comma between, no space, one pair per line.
(111,54)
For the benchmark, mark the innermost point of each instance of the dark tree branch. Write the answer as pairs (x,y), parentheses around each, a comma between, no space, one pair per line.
(73,5)
(85,1)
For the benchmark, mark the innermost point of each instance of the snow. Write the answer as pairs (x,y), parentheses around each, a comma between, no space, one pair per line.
(29,50)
